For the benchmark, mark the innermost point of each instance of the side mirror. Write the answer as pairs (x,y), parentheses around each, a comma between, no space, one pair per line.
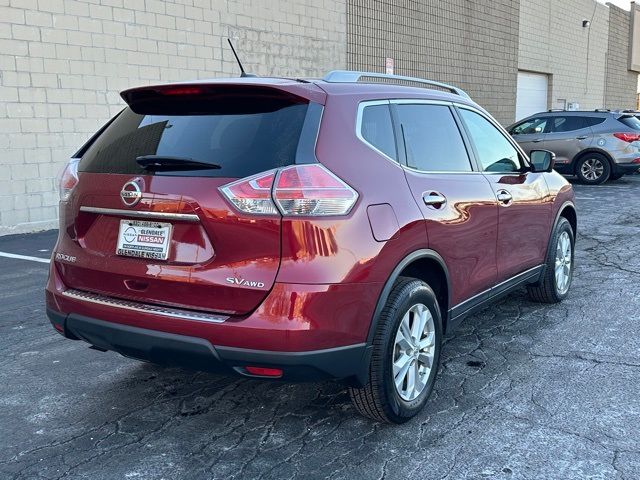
(542,160)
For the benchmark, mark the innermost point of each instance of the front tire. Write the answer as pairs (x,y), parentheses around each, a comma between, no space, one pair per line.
(593,169)
(405,357)
(558,274)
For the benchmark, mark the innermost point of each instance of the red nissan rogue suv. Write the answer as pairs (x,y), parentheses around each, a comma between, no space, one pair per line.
(303,229)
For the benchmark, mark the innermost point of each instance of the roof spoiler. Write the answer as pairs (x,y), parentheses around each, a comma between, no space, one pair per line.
(212,98)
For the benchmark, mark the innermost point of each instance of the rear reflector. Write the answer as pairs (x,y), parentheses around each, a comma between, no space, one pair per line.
(68,179)
(264,372)
(627,137)
(305,190)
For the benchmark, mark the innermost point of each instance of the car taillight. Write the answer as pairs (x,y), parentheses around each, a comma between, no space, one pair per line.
(181,90)
(252,194)
(627,137)
(68,179)
(312,190)
(296,190)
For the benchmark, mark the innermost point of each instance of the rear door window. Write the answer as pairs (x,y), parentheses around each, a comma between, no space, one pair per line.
(241,144)
(377,130)
(593,121)
(432,140)
(567,123)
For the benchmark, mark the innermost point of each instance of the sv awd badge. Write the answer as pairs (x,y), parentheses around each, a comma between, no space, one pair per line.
(244,283)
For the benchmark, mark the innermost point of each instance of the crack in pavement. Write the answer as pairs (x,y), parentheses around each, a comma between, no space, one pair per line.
(525,391)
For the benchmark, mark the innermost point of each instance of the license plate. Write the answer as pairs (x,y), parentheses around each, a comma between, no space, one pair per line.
(144,239)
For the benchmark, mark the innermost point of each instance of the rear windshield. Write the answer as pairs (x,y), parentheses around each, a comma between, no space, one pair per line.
(240,144)
(630,121)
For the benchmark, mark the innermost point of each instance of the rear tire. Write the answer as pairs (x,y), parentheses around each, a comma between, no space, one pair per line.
(399,381)
(558,274)
(593,169)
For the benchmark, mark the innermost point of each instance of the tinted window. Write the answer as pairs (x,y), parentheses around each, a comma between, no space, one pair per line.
(377,129)
(432,140)
(630,121)
(591,121)
(495,152)
(242,144)
(566,124)
(530,127)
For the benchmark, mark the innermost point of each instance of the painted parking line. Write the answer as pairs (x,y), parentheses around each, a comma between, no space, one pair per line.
(24,257)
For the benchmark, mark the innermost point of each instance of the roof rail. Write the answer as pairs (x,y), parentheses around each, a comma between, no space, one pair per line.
(602,110)
(556,110)
(351,76)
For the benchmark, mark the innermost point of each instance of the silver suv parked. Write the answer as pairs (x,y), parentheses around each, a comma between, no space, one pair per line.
(594,145)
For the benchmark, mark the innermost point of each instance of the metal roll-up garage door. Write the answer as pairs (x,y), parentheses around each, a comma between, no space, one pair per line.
(531,94)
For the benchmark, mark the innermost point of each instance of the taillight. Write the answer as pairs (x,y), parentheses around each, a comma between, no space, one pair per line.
(186,90)
(308,190)
(252,194)
(312,190)
(68,179)
(627,137)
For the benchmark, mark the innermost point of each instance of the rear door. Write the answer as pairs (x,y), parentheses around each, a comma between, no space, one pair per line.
(524,213)
(457,203)
(567,135)
(168,235)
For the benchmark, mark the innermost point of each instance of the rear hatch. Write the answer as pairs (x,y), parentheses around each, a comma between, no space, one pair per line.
(147,220)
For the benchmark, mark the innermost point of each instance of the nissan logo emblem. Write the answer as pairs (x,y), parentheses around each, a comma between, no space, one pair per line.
(130,193)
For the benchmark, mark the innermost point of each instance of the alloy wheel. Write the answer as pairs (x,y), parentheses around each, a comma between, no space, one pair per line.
(592,169)
(413,352)
(563,263)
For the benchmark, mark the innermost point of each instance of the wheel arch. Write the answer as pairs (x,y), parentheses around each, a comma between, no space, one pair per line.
(586,151)
(568,211)
(426,265)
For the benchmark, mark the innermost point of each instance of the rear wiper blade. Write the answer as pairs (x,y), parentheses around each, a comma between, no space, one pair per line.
(164,162)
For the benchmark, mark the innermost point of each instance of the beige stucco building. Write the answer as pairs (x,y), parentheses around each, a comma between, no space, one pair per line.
(63,62)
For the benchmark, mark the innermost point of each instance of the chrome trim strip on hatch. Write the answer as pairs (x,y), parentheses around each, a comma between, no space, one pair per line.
(118,212)
(143,307)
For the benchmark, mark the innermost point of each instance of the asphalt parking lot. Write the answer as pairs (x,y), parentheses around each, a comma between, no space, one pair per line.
(525,390)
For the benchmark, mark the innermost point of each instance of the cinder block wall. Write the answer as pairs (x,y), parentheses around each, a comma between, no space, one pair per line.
(621,84)
(63,62)
(553,41)
(472,44)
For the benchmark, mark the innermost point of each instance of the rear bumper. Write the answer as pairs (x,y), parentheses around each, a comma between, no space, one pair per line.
(311,332)
(197,353)
(626,168)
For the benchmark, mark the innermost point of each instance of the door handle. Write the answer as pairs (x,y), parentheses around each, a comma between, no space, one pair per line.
(582,137)
(537,140)
(433,199)
(504,197)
